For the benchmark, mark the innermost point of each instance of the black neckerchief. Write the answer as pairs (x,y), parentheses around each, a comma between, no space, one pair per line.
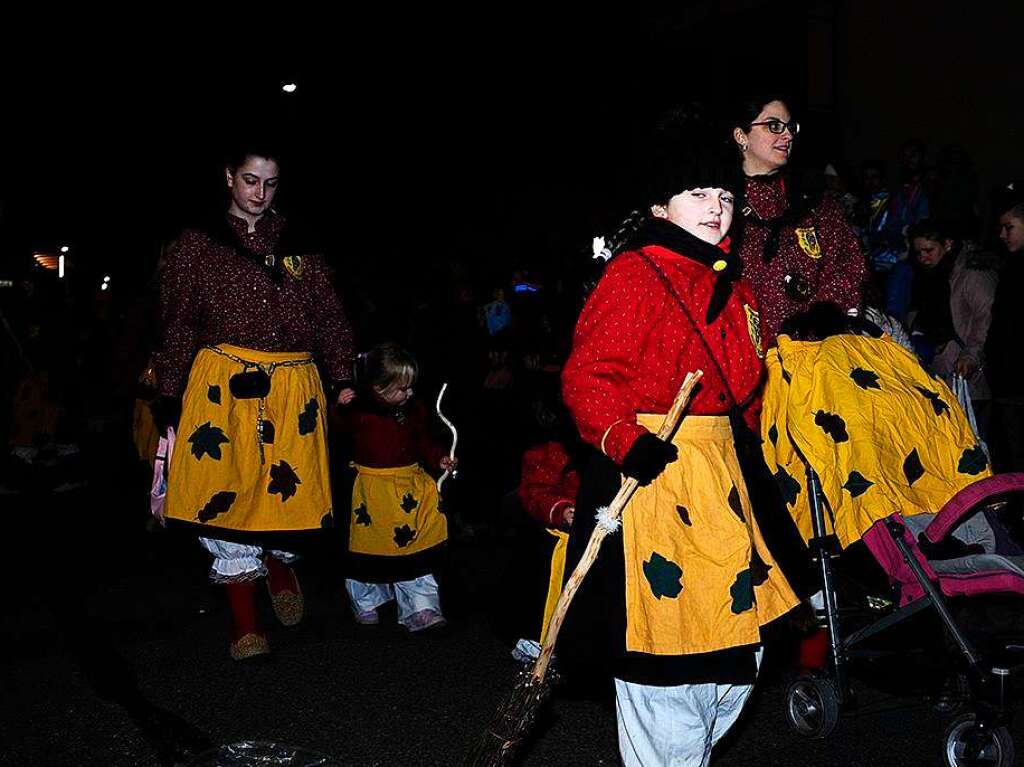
(798,206)
(223,233)
(659,231)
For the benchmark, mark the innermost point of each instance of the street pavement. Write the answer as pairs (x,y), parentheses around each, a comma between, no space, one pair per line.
(364,696)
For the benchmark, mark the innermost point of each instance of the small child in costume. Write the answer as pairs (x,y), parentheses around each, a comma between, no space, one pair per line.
(397,532)
(547,493)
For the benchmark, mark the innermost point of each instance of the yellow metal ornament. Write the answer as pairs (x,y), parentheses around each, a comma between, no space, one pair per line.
(808,240)
(293,264)
(754,329)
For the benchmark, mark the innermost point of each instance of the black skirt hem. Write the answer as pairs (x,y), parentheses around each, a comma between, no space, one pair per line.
(370,568)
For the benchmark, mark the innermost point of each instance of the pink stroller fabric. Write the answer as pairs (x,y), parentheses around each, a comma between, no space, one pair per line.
(158,490)
(990,572)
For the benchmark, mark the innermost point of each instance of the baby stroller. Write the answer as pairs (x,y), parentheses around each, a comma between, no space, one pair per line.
(865,445)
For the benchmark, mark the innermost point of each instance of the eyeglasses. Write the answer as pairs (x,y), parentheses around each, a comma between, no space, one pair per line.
(777,126)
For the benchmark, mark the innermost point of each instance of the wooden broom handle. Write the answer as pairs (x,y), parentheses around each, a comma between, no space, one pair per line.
(615,509)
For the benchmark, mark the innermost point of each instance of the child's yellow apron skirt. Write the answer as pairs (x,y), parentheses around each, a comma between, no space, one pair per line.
(699,577)
(251,449)
(395,512)
(555,579)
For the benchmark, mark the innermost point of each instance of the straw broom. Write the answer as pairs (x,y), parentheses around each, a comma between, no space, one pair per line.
(515,718)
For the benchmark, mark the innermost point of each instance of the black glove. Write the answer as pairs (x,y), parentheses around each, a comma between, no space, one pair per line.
(166,412)
(648,458)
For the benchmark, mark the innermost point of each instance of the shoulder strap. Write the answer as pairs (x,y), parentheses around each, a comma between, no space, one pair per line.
(689,317)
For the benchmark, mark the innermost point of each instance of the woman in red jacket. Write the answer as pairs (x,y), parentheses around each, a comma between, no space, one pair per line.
(681,599)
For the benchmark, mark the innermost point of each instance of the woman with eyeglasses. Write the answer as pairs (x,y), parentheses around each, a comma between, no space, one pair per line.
(797,250)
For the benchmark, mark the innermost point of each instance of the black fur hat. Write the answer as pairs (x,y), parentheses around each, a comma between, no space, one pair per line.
(687,151)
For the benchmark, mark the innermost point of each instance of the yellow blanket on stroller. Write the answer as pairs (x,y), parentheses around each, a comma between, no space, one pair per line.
(882,434)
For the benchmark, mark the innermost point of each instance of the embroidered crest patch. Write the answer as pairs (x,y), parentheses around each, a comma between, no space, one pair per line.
(754,328)
(293,264)
(808,241)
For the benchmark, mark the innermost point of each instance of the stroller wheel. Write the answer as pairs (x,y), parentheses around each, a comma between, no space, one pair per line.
(812,707)
(970,744)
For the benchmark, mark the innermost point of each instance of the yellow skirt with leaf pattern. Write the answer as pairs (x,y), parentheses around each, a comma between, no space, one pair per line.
(395,512)
(251,449)
(699,577)
(882,434)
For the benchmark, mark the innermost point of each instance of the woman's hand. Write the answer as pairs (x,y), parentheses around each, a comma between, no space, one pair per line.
(567,517)
(965,366)
(449,464)
(346,396)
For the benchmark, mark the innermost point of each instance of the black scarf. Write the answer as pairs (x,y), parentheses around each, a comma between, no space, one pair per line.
(931,292)
(223,233)
(660,231)
(292,240)
(799,204)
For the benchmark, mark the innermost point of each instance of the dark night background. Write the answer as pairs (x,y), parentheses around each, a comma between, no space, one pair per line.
(432,150)
(416,136)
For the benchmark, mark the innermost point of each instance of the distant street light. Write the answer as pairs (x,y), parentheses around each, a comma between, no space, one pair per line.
(64,248)
(289,87)
(60,264)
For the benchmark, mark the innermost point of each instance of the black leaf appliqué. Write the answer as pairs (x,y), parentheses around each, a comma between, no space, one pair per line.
(404,535)
(865,379)
(684,514)
(213,394)
(308,417)
(664,576)
(409,503)
(857,484)
(938,405)
(283,480)
(206,440)
(267,430)
(217,505)
(833,425)
(973,461)
(362,515)
(912,468)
